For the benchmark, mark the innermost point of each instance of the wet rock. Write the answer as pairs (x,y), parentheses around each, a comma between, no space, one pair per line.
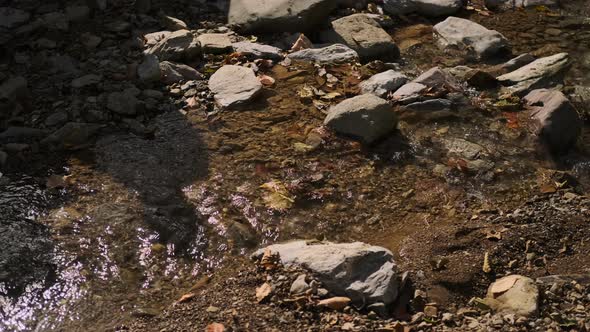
(422,7)
(556,121)
(409,92)
(336,53)
(178,45)
(383,83)
(541,73)
(513,294)
(258,51)
(215,43)
(149,69)
(12,17)
(86,80)
(234,85)
(364,35)
(124,103)
(72,134)
(299,286)
(466,35)
(432,105)
(279,15)
(439,79)
(172,72)
(366,117)
(364,273)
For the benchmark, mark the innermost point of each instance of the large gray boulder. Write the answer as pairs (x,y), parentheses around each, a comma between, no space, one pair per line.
(364,35)
(466,35)
(422,7)
(234,85)
(279,15)
(177,45)
(366,117)
(541,73)
(336,53)
(383,83)
(364,273)
(555,120)
(514,294)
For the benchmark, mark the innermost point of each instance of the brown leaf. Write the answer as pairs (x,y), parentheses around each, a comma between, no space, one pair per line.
(301,43)
(335,303)
(186,297)
(215,327)
(263,292)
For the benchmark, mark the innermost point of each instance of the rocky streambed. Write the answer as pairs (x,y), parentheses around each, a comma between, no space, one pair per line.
(429,159)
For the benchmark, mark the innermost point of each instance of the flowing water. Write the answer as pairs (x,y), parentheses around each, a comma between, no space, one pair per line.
(140,219)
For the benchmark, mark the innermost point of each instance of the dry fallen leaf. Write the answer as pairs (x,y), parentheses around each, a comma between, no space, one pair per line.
(335,303)
(301,43)
(263,292)
(266,80)
(215,327)
(186,297)
(503,284)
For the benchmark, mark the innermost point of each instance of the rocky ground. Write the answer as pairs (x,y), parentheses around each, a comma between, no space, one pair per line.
(432,154)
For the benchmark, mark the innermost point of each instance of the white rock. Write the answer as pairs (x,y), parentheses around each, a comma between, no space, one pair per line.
(367,117)
(234,85)
(541,73)
(383,83)
(256,50)
(215,43)
(336,53)
(467,35)
(364,273)
(299,286)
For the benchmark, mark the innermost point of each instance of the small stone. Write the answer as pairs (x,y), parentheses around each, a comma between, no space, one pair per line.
(173,23)
(514,294)
(12,17)
(336,53)
(212,309)
(299,286)
(383,83)
(86,80)
(122,103)
(178,45)
(215,43)
(257,51)
(149,69)
(77,13)
(431,311)
(470,36)
(234,85)
(172,72)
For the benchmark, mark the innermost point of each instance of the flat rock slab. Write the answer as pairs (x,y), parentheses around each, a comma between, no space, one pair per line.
(383,83)
(255,50)
(439,79)
(172,72)
(336,53)
(234,85)
(364,35)
(364,273)
(366,117)
(466,35)
(177,45)
(279,15)
(514,294)
(556,121)
(422,7)
(215,43)
(541,73)
(409,92)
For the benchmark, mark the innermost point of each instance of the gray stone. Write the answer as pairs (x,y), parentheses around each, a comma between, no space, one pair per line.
(124,103)
(149,69)
(215,43)
(439,79)
(279,15)
(556,121)
(422,7)
(72,134)
(13,88)
(517,62)
(383,83)
(432,105)
(77,13)
(86,80)
(464,148)
(409,92)
(336,53)
(512,4)
(258,51)
(466,35)
(364,273)
(364,35)
(366,117)
(56,119)
(12,17)
(299,286)
(178,45)
(176,72)
(541,73)
(234,85)
(153,38)
(172,23)
(514,294)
